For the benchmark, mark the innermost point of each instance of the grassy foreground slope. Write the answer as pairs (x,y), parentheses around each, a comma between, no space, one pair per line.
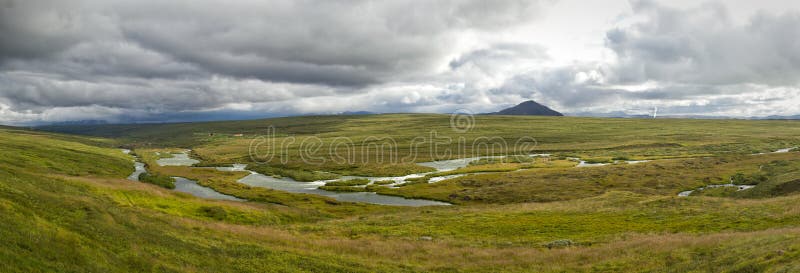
(65,207)
(621,218)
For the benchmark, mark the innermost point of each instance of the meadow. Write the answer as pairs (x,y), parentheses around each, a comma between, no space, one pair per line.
(354,145)
(61,211)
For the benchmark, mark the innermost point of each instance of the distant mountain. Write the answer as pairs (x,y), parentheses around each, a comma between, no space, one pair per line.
(81,122)
(782,117)
(355,113)
(620,114)
(528,108)
(614,114)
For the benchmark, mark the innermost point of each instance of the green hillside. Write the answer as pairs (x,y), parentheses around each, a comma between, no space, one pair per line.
(66,207)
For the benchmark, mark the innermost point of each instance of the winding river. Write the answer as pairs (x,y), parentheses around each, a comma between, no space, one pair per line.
(740,188)
(255,179)
(178,159)
(181,184)
(191,187)
(138,167)
(290,185)
(286,184)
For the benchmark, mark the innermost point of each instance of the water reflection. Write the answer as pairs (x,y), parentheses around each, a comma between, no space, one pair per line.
(191,187)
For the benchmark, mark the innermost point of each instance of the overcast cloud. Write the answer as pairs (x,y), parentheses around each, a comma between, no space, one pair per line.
(146,61)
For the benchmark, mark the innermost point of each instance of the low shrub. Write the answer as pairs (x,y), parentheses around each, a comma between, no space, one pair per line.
(217,213)
(158,180)
(559,244)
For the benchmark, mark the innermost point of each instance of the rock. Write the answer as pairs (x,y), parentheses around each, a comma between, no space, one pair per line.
(559,243)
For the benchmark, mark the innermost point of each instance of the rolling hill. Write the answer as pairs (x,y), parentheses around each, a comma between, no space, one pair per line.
(509,216)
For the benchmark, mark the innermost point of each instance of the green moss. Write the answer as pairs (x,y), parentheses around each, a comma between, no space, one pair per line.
(217,213)
(349,182)
(716,192)
(373,187)
(343,188)
(384,182)
(296,174)
(667,177)
(506,159)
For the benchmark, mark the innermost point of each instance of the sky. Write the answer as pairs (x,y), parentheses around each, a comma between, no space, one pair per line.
(161,61)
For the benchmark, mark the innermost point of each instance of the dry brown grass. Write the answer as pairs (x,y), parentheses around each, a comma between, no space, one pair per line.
(631,253)
(626,252)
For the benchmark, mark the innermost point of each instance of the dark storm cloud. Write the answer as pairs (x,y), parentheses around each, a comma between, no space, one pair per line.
(351,43)
(32,29)
(185,55)
(129,60)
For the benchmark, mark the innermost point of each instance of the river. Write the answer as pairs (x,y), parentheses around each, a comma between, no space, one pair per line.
(289,185)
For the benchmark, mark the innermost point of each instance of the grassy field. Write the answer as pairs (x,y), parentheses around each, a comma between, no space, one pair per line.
(663,177)
(351,145)
(513,215)
(225,182)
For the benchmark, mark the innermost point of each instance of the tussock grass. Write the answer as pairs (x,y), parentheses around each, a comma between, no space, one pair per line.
(349,182)
(343,188)
(158,180)
(296,174)
(619,218)
(596,139)
(664,177)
